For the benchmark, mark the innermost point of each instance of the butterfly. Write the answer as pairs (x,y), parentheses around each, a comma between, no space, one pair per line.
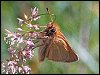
(55,47)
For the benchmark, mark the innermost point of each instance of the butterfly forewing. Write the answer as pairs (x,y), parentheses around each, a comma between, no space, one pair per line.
(59,50)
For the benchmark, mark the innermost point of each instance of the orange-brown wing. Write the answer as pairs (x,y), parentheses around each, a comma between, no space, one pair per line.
(60,50)
(42,49)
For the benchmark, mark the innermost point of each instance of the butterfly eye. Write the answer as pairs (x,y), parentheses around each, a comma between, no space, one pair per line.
(50,32)
(53,30)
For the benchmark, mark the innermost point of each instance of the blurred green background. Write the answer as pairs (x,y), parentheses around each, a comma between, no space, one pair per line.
(78,21)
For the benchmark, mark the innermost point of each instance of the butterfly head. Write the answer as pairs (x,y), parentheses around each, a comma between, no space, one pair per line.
(50,30)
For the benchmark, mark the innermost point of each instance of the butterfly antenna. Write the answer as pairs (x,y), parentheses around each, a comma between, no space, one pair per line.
(49,14)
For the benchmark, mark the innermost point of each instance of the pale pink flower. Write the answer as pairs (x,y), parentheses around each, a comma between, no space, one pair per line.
(20,21)
(35,13)
(26,69)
